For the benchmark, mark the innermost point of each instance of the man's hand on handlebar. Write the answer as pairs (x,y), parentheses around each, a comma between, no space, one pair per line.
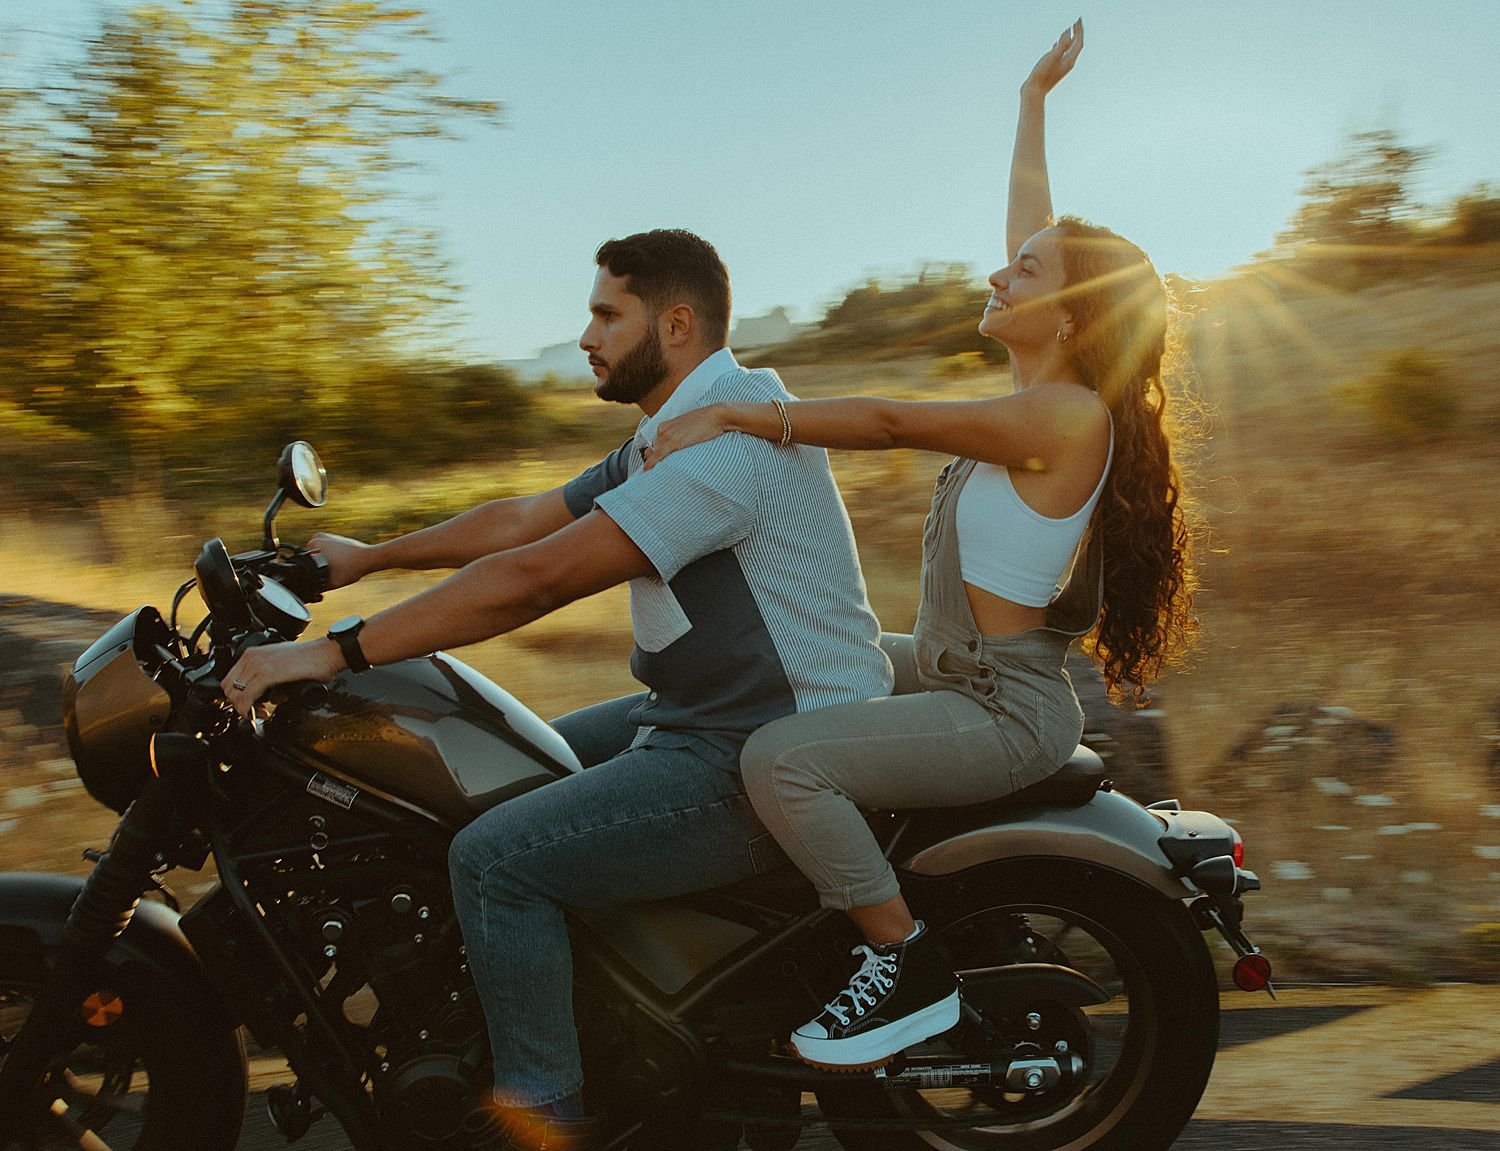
(349,561)
(262,668)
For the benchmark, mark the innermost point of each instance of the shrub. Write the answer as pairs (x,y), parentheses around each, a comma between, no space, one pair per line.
(958,366)
(1410,397)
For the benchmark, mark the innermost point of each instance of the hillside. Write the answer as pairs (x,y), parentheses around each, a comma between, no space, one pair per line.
(1343,707)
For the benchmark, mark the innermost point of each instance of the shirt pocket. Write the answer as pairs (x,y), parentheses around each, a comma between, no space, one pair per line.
(655,615)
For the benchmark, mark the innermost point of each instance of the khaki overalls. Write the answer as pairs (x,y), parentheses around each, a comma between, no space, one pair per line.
(975,717)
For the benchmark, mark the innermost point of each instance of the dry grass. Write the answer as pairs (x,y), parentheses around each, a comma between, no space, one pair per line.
(1342,571)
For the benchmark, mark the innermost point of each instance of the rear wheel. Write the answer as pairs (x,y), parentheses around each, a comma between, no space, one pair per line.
(141,1074)
(1147,1049)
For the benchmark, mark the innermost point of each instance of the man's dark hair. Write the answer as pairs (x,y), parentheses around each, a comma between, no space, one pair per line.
(670,266)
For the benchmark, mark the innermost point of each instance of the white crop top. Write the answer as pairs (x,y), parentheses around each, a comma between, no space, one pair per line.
(1008,548)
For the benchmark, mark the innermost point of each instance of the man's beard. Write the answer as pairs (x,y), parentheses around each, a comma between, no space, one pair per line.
(636,373)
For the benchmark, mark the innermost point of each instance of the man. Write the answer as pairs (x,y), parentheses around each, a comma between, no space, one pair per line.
(746,602)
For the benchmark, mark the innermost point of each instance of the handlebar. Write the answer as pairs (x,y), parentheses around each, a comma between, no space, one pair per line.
(302,571)
(266,590)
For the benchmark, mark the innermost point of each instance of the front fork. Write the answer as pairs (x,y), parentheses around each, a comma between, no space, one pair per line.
(101,913)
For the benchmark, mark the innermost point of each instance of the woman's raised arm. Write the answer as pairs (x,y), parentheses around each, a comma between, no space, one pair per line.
(1030,204)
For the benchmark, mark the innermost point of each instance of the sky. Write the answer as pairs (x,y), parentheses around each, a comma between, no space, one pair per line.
(817,143)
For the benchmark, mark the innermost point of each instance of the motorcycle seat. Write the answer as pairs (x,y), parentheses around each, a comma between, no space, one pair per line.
(1071,785)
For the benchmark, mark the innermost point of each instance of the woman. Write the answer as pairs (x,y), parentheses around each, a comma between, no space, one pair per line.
(1081,442)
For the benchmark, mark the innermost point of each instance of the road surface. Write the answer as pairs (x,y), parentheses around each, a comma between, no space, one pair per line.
(1379,1069)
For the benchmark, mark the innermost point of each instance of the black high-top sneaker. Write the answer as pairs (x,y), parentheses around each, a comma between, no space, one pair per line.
(902,994)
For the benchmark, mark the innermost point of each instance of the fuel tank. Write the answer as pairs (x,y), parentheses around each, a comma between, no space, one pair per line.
(430,731)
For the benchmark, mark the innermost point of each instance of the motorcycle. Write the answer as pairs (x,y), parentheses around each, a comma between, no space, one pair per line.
(1075,917)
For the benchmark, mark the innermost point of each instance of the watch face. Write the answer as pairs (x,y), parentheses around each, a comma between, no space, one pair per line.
(347,624)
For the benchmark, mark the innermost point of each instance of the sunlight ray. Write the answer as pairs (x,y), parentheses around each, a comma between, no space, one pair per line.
(1265,306)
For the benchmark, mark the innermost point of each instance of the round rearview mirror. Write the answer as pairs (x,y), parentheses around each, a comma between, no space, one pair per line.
(301,474)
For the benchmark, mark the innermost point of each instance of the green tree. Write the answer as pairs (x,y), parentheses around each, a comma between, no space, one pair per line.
(1363,198)
(23,273)
(226,262)
(934,312)
(1474,219)
(1358,217)
(36,443)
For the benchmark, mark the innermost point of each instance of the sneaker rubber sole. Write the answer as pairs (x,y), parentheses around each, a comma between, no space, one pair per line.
(875,1048)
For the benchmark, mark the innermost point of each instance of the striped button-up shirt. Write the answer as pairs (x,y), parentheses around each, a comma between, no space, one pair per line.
(758,609)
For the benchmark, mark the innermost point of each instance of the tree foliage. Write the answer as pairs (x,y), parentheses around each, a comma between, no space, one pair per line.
(1361,222)
(934,312)
(197,255)
(1474,218)
(1363,198)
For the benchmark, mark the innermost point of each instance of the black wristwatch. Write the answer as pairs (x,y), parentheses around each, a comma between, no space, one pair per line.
(345,633)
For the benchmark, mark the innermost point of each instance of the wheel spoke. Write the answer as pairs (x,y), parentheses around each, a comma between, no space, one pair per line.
(73,1132)
(1055,951)
(112,1095)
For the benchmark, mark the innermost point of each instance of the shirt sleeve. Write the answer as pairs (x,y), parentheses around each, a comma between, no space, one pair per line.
(581,492)
(700,500)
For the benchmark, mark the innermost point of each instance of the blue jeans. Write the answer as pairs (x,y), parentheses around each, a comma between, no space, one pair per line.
(643,822)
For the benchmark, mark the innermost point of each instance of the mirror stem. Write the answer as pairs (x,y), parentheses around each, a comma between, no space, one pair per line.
(271,543)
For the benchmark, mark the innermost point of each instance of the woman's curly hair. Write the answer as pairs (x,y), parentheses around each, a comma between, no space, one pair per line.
(1119,344)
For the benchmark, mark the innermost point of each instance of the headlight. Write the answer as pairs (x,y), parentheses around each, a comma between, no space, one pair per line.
(112,707)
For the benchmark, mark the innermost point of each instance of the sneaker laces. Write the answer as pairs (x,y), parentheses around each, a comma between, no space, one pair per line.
(874,974)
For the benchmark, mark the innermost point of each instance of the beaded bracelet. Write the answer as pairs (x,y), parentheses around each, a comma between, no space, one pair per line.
(786,423)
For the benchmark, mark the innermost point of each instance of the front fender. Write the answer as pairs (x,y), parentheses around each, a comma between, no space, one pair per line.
(34,907)
(1110,831)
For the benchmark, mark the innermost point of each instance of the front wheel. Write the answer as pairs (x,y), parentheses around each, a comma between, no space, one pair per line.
(141,1074)
(1147,1049)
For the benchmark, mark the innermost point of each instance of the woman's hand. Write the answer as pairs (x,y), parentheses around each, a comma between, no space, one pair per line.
(1056,64)
(684,431)
(261,668)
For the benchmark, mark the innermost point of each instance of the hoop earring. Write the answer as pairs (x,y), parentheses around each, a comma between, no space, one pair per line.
(1062,336)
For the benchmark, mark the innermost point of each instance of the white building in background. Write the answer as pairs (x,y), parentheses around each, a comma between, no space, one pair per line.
(563,361)
(775,327)
(567,361)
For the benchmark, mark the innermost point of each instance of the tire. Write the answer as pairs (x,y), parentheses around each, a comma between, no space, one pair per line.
(1148,1049)
(153,1079)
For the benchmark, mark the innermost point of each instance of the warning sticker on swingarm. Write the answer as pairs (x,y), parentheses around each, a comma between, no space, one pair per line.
(332,790)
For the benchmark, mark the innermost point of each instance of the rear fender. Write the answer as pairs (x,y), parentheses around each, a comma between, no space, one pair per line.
(34,907)
(1109,831)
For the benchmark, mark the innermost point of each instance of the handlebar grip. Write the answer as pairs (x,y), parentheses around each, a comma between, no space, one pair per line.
(249,640)
(305,573)
(317,563)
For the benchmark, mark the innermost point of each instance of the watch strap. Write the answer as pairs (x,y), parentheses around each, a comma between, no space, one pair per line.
(345,633)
